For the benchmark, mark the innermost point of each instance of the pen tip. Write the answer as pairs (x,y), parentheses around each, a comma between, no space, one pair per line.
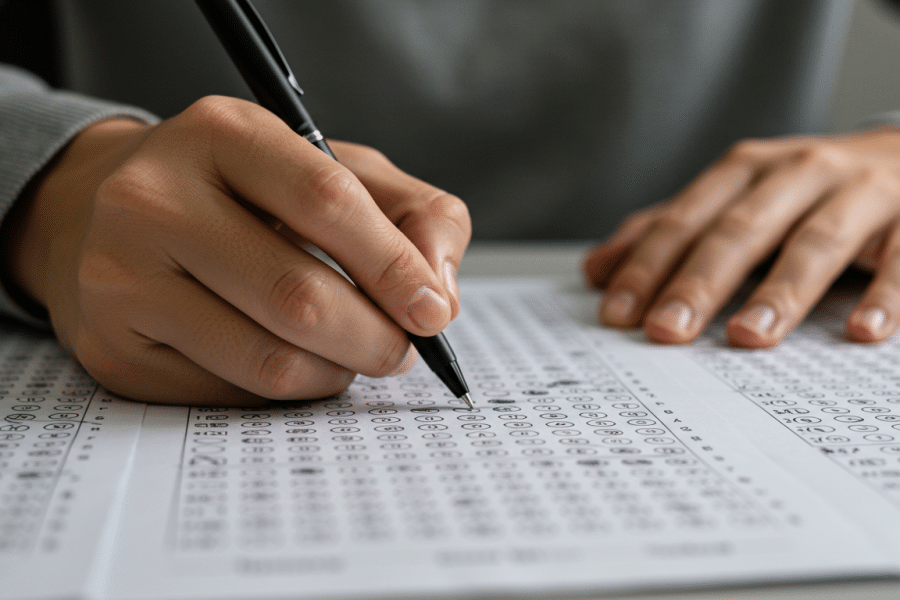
(468,400)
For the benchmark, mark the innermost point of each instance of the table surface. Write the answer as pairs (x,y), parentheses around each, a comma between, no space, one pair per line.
(562,262)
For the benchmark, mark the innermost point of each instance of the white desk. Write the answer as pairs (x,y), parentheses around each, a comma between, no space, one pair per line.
(563,262)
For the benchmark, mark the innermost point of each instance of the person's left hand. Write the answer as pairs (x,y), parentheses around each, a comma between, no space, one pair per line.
(821,203)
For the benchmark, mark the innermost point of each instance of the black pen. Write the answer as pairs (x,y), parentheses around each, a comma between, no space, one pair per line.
(254,52)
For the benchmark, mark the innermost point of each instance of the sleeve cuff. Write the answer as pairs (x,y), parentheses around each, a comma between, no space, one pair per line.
(35,124)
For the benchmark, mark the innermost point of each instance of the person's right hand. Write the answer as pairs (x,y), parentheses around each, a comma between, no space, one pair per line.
(153,251)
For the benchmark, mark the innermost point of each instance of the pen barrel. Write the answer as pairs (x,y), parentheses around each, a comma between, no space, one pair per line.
(237,25)
(439,356)
(320,143)
(260,62)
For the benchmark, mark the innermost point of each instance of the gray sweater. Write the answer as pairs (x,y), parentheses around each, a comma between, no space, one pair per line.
(551,119)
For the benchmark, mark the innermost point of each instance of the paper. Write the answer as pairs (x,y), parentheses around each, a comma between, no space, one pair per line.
(65,444)
(594,461)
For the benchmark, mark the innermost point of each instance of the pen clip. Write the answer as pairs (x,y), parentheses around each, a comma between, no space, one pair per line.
(266,36)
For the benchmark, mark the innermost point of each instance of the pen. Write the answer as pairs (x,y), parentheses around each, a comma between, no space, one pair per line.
(260,62)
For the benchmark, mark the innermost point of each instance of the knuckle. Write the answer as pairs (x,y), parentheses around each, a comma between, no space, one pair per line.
(101,276)
(214,121)
(335,199)
(694,289)
(673,221)
(216,113)
(879,181)
(334,186)
(391,357)
(282,373)
(822,238)
(822,155)
(137,191)
(739,223)
(452,209)
(438,205)
(636,277)
(746,150)
(640,218)
(301,301)
(285,373)
(129,185)
(396,273)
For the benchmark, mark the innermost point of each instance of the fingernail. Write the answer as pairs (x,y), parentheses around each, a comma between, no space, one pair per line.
(427,309)
(619,307)
(759,318)
(872,319)
(675,316)
(408,361)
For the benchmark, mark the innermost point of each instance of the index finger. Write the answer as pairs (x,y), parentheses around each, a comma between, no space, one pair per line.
(436,222)
(261,159)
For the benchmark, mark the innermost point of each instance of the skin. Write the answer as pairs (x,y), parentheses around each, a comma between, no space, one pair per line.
(171,258)
(818,204)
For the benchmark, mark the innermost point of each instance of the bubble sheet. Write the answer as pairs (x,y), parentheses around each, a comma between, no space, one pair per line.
(839,397)
(586,466)
(64,449)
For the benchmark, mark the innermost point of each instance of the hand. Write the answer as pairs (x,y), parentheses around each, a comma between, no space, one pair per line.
(151,248)
(820,203)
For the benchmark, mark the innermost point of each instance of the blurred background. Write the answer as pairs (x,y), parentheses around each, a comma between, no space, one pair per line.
(621,151)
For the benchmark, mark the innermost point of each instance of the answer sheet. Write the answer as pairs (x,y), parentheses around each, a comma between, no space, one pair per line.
(593,461)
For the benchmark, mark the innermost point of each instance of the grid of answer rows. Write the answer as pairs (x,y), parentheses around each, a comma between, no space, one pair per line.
(557,445)
(43,404)
(840,397)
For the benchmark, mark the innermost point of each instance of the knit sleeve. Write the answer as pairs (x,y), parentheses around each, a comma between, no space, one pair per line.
(36,122)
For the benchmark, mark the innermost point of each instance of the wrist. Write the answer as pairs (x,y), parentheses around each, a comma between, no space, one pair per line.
(37,230)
